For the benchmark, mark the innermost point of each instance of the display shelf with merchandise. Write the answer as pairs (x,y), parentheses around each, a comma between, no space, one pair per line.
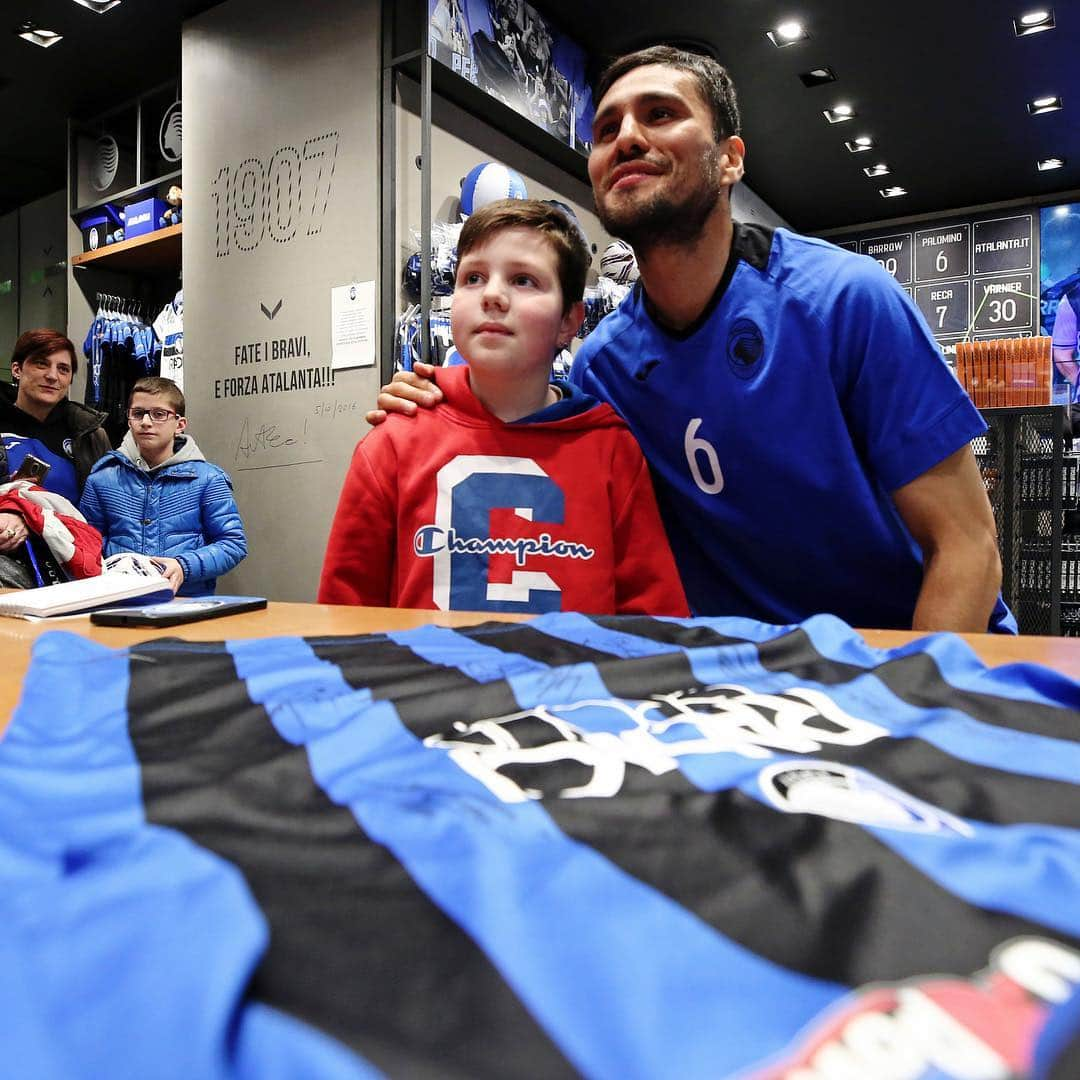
(500,116)
(410,50)
(155,252)
(1030,475)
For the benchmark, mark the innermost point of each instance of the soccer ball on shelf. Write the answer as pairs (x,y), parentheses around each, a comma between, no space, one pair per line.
(487,182)
(619,263)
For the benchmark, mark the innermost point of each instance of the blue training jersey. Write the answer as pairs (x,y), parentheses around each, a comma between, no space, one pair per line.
(611,847)
(777,426)
(61,477)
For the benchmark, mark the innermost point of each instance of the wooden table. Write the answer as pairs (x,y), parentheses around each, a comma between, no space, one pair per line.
(17,637)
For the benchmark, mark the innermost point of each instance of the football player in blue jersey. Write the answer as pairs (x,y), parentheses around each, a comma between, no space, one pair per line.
(811,450)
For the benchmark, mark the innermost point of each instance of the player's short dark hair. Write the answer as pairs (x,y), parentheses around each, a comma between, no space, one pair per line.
(713,81)
(572,256)
(157,384)
(42,342)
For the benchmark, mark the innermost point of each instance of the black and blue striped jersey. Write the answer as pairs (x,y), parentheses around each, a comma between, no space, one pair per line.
(579,846)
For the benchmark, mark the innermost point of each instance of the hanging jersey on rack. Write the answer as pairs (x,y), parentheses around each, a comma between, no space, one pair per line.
(169,328)
(120,348)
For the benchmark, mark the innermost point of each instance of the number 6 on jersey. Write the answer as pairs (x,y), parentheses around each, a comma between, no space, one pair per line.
(693,446)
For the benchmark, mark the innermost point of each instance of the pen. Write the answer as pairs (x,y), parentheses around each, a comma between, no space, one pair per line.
(33,562)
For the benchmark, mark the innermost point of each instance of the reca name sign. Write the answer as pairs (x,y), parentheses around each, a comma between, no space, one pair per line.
(969,278)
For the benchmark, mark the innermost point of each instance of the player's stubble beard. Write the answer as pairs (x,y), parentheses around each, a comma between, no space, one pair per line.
(667,219)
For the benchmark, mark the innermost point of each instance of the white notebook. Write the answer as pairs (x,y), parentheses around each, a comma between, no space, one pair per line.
(86,594)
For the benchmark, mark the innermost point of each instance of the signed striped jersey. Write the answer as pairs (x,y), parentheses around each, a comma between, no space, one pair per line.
(611,847)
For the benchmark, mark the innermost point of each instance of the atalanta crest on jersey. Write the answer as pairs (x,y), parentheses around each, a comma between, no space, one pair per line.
(745,348)
(645,369)
(69,447)
(845,793)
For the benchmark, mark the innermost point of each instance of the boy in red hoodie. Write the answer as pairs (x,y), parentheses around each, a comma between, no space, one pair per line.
(519,494)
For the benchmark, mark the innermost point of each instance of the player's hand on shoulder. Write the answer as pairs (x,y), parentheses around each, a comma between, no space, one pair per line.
(405,392)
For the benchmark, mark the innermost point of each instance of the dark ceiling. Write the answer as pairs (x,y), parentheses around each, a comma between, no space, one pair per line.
(941,86)
(104,60)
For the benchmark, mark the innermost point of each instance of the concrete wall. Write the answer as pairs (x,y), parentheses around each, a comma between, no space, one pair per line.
(42,262)
(280,205)
(9,288)
(33,288)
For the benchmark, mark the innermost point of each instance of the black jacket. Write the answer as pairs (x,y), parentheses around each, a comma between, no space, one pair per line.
(68,420)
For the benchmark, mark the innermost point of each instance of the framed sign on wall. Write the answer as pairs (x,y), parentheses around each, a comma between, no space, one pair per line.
(972,277)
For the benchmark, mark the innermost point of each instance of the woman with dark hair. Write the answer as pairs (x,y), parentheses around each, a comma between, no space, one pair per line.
(43,537)
(37,418)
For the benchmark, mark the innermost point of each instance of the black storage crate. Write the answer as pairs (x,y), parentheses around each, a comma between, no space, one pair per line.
(1031,476)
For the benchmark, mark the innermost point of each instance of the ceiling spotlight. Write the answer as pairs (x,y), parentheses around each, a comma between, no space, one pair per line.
(1050,163)
(817,76)
(860,145)
(36,36)
(1033,22)
(880,169)
(891,192)
(787,33)
(1044,105)
(99,6)
(839,113)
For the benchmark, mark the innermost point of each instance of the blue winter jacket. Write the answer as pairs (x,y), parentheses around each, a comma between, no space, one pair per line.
(184,509)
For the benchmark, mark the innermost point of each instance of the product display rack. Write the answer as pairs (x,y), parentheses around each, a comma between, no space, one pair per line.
(133,128)
(1031,476)
(137,275)
(158,252)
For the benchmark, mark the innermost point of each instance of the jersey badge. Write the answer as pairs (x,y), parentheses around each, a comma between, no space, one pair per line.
(645,369)
(845,793)
(745,348)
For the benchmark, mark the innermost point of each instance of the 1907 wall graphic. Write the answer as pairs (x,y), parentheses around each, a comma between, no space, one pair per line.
(282,198)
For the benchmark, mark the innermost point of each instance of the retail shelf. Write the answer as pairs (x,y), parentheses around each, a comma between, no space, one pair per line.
(119,198)
(500,116)
(156,252)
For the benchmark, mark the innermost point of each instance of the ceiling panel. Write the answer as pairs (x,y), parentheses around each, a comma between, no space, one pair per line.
(103,60)
(941,86)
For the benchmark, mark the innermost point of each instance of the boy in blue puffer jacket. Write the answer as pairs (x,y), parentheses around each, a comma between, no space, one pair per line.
(158,496)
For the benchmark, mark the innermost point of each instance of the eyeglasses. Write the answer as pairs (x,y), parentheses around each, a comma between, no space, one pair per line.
(159,416)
